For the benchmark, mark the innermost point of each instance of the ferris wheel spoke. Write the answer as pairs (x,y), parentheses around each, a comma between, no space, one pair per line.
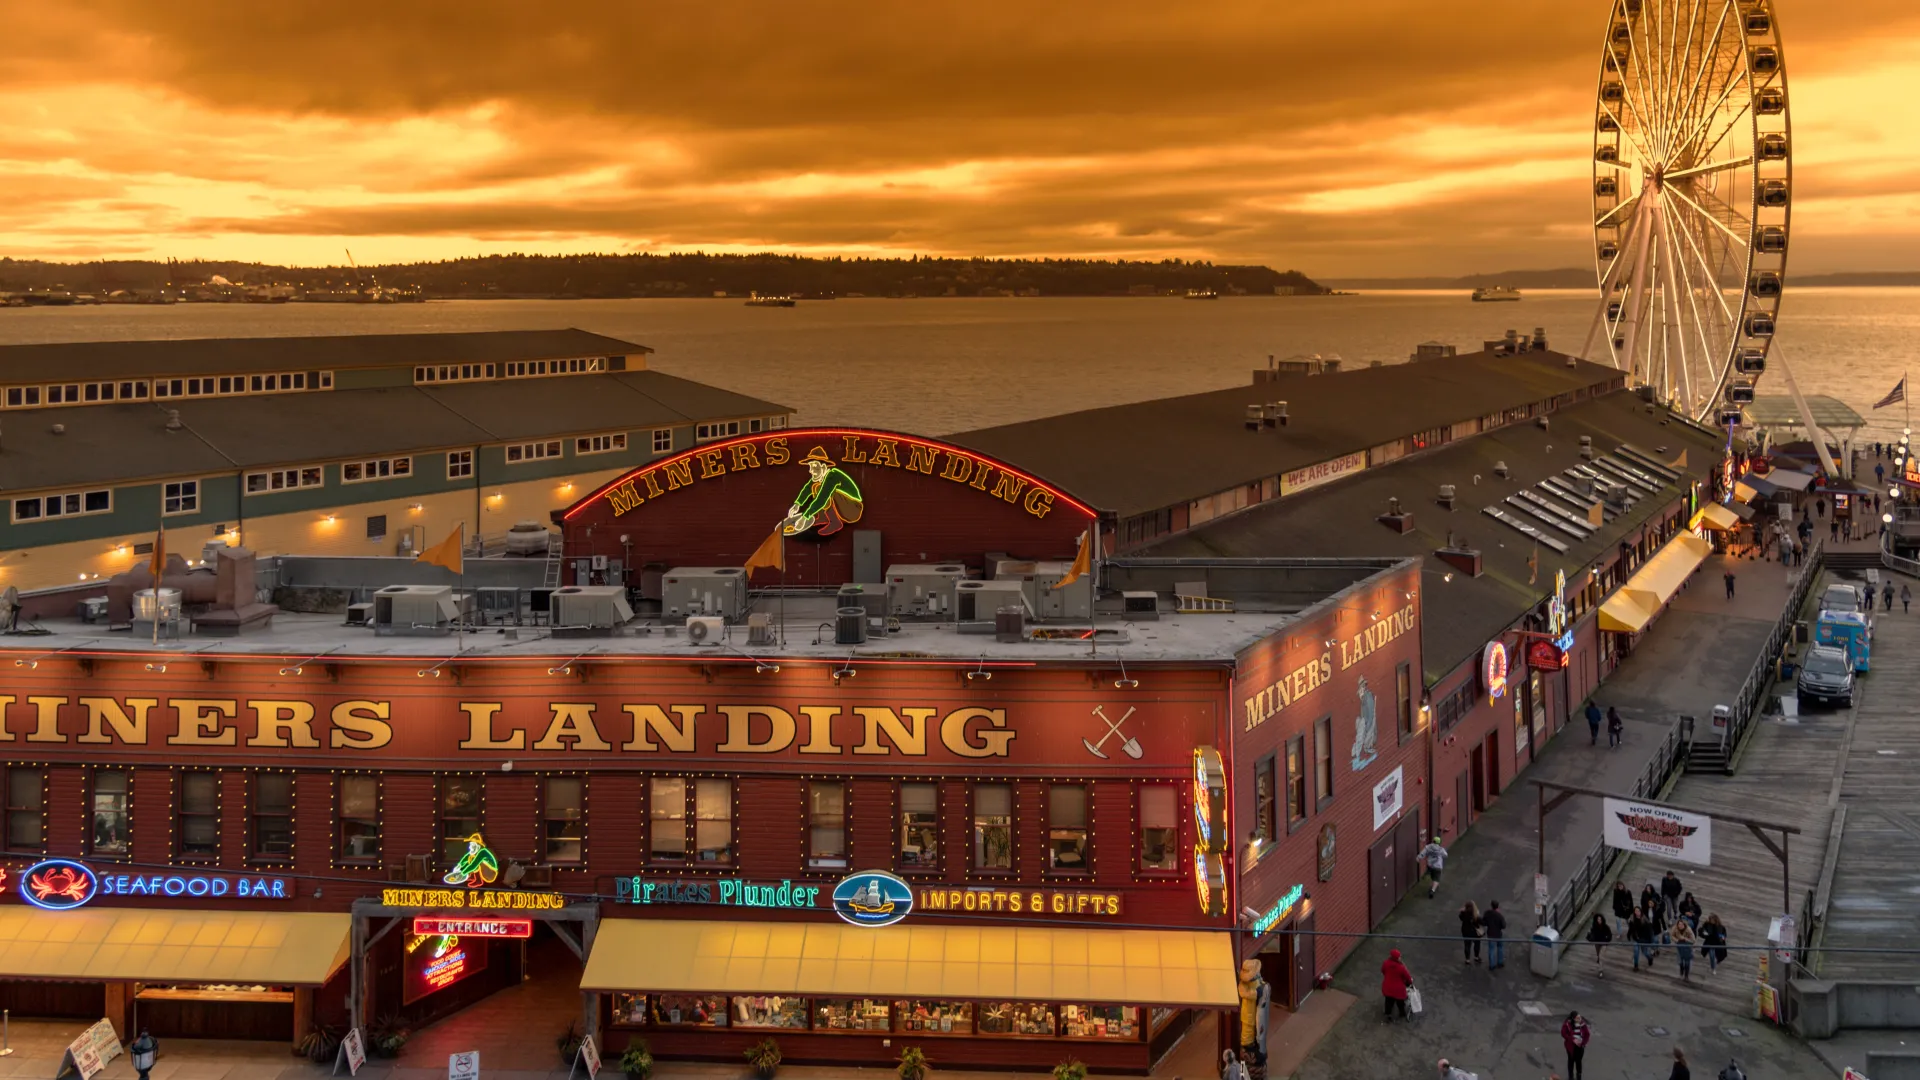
(1712,275)
(1706,119)
(1606,220)
(1732,124)
(1707,351)
(1710,49)
(1637,61)
(1721,225)
(1714,167)
(1676,350)
(1640,145)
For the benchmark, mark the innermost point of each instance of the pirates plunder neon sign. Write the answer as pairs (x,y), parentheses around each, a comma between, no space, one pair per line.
(829,499)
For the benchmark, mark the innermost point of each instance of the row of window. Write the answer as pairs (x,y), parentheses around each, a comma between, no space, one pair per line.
(1305,795)
(725,429)
(917,1017)
(64,505)
(691,821)
(91,393)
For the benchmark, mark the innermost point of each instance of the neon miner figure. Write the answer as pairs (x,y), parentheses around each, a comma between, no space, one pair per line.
(828,502)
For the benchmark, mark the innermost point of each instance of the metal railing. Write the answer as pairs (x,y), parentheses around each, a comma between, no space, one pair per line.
(1899,564)
(1746,704)
(1596,869)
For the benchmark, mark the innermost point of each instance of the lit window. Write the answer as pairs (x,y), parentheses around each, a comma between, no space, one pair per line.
(1296,781)
(1263,778)
(690,820)
(564,819)
(358,807)
(461,799)
(600,444)
(1067,827)
(272,815)
(354,472)
(992,827)
(110,832)
(1159,827)
(826,824)
(459,464)
(919,825)
(284,480)
(534,451)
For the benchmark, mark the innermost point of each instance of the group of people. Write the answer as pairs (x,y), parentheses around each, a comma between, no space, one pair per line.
(1886,596)
(1616,727)
(1668,916)
(1490,925)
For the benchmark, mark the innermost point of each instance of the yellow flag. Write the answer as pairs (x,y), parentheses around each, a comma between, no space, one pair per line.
(447,552)
(1082,562)
(772,553)
(158,563)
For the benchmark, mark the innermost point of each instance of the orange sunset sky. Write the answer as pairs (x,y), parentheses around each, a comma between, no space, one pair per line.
(1369,137)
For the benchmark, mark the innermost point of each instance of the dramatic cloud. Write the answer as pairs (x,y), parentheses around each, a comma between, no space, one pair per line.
(1378,137)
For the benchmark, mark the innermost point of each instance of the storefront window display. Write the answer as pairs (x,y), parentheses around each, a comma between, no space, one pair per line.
(934,1017)
(770,1012)
(1016,1018)
(629,1010)
(1099,1021)
(690,1010)
(851,1014)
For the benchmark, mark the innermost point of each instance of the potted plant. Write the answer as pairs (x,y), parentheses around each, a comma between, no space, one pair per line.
(914,1064)
(387,1036)
(319,1045)
(637,1061)
(568,1043)
(1070,1070)
(764,1056)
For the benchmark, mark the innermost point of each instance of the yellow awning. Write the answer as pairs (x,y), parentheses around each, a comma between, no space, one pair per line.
(1623,615)
(1137,967)
(276,948)
(1716,516)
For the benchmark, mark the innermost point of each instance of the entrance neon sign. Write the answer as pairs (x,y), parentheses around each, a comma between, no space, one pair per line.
(427,926)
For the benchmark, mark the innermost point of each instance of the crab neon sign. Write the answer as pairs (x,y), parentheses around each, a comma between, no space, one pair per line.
(58,884)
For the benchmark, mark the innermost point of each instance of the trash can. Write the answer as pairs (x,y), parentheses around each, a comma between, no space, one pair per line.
(1546,952)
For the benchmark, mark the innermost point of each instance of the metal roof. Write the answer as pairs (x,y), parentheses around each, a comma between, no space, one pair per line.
(81,360)
(1778,410)
(1149,455)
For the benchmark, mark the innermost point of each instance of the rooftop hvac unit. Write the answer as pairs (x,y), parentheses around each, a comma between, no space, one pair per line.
(704,590)
(359,614)
(498,603)
(705,629)
(923,590)
(1010,625)
(1139,606)
(871,599)
(414,609)
(760,629)
(976,601)
(850,626)
(590,607)
(527,538)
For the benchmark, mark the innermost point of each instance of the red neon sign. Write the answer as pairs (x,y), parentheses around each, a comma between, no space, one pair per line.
(429,925)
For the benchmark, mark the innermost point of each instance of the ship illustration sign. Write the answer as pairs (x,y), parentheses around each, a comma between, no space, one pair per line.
(872,898)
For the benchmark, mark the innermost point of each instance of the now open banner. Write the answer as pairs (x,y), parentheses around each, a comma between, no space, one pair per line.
(1651,829)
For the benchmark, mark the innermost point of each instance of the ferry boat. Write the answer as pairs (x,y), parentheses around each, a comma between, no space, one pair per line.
(1493,293)
(1202,294)
(756,300)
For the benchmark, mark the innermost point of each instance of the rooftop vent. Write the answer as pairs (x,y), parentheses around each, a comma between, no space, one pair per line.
(1277,413)
(1446,496)
(1139,606)
(1543,424)
(1586,447)
(173,420)
(1255,417)
(1395,518)
(1500,469)
(1464,559)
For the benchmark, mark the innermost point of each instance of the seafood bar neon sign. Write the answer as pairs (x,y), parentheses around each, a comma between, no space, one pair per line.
(63,884)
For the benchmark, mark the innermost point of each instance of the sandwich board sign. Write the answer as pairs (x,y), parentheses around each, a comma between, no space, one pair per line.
(464,1065)
(89,1053)
(588,1058)
(353,1051)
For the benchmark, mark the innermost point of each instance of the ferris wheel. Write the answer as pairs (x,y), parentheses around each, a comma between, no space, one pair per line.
(1692,185)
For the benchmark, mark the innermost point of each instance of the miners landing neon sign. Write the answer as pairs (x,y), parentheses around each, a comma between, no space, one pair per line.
(839,447)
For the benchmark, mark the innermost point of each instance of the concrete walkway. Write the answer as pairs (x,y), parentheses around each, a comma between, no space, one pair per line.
(1505,1024)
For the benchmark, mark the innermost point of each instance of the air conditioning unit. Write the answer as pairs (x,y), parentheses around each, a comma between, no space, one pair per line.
(415,609)
(850,626)
(1037,581)
(871,599)
(760,630)
(923,589)
(359,614)
(705,629)
(704,590)
(499,603)
(590,608)
(976,601)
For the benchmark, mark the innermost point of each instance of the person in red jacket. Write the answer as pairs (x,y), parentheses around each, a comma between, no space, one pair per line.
(1575,1033)
(1395,980)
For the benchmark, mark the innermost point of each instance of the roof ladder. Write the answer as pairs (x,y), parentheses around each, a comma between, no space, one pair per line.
(1201,605)
(556,548)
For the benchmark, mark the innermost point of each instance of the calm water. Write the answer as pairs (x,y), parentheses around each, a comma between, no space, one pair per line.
(939,365)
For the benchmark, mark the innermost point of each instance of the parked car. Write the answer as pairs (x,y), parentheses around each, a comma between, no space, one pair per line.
(1826,677)
(1840,598)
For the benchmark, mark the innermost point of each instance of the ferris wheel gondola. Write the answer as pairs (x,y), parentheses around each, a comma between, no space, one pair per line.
(1692,198)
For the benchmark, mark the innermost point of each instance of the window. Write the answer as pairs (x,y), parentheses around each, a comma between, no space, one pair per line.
(662,440)
(715,430)
(459,464)
(68,504)
(600,444)
(1263,801)
(1403,698)
(770,1011)
(22,396)
(26,809)
(776,423)
(285,479)
(355,472)
(1160,828)
(1323,762)
(1100,1021)
(1067,828)
(376,526)
(357,803)
(110,827)
(563,819)
(851,1014)
(462,798)
(992,827)
(1296,781)
(826,824)
(919,826)
(64,395)
(439,373)
(272,815)
(941,1017)
(533,451)
(181,498)
(326,380)
(199,814)
(690,820)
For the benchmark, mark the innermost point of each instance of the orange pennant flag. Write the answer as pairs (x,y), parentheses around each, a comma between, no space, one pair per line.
(772,554)
(1082,562)
(158,563)
(447,552)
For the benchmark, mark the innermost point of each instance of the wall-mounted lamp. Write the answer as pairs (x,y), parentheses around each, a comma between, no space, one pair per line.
(980,672)
(761,667)
(567,668)
(157,669)
(1123,682)
(844,671)
(416,507)
(331,518)
(434,671)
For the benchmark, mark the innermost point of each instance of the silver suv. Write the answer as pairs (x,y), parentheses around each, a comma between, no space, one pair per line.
(1826,677)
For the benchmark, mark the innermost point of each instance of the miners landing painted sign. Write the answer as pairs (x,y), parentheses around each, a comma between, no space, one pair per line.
(1303,679)
(819,457)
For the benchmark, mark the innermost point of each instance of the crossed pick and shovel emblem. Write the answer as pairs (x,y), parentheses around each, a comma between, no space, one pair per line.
(1130,745)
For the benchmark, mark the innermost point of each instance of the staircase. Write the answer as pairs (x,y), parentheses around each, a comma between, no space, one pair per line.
(1852,561)
(1707,756)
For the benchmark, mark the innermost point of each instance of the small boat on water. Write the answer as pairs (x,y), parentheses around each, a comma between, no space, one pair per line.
(756,300)
(1495,293)
(871,901)
(1202,294)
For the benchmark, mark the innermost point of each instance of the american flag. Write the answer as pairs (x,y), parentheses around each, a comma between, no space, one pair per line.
(1894,396)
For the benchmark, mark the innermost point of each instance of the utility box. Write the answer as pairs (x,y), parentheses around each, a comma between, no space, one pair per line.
(704,590)
(976,601)
(1546,952)
(925,591)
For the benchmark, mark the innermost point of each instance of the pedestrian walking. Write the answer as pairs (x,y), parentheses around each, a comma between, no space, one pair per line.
(1495,924)
(1575,1033)
(1649,896)
(1450,1071)
(1434,858)
(1593,721)
(1729,577)
(1833,529)
(1671,890)
(1622,906)
(1886,594)
(1906,598)
(1713,941)
(1470,932)
(144,1051)
(1640,934)
(1657,919)
(1395,981)
(1599,935)
(1616,727)
(1880,474)
(1690,911)
(1680,1070)
(1683,942)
